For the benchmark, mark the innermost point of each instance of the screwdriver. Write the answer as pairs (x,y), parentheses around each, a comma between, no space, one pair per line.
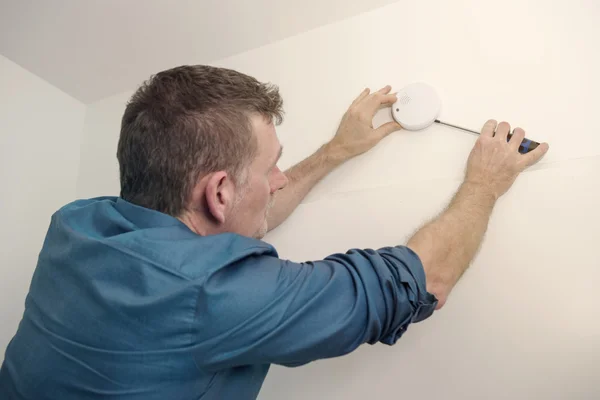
(526,146)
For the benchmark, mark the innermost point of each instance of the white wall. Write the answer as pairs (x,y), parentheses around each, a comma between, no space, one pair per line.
(40,138)
(98,169)
(523,323)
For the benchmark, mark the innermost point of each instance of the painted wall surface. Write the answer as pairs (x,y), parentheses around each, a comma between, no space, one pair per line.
(523,323)
(40,139)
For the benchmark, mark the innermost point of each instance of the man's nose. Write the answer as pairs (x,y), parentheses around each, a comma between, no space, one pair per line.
(284,180)
(281,181)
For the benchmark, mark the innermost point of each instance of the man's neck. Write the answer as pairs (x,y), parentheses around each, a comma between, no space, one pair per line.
(195,223)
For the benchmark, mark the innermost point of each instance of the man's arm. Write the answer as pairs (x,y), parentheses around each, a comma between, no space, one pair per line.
(265,310)
(302,178)
(447,245)
(354,136)
(287,313)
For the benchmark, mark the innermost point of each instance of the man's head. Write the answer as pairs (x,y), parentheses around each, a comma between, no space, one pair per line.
(199,143)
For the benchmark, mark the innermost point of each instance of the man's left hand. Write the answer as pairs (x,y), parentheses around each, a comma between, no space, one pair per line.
(356,134)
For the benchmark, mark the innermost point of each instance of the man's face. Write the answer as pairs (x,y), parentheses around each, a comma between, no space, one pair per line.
(263,180)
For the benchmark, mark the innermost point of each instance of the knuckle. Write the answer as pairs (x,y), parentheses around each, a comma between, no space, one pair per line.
(353,112)
(362,117)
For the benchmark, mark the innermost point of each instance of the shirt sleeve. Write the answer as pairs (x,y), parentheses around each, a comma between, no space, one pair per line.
(266,310)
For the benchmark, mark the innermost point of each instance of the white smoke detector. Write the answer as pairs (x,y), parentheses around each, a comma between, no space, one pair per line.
(417,107)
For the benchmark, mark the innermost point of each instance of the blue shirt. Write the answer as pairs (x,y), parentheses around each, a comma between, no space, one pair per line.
(128,303)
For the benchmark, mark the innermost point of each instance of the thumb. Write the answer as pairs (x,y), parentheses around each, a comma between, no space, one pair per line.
(387,128)
(534,156)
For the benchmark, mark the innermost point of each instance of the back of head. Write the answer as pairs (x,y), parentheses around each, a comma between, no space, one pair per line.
(186,122)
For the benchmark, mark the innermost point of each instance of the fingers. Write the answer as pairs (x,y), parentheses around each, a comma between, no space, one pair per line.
(534,156)
(377,100)
(361,96)
(388,101)
(387,128)
(367,103)
(502,131)
(489,128)
(516,139)
(381,97)
(385,90)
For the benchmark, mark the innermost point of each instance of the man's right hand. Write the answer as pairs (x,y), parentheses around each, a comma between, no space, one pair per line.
(447,245)
(495,163)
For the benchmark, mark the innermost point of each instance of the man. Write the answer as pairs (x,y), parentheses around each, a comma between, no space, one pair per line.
(168,293)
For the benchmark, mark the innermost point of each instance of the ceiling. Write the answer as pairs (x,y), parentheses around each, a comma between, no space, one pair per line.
(95,48)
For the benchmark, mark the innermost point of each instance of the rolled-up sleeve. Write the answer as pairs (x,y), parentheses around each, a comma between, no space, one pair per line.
(267,310)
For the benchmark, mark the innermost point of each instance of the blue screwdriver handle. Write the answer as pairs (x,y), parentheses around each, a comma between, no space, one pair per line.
(526,146)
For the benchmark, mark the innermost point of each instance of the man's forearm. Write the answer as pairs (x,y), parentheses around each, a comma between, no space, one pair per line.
(448,244)
(302,178)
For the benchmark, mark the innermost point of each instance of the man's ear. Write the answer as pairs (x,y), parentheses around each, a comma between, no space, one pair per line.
(219,194)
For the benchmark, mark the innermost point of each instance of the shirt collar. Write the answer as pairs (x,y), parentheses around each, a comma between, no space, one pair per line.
(145,217)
